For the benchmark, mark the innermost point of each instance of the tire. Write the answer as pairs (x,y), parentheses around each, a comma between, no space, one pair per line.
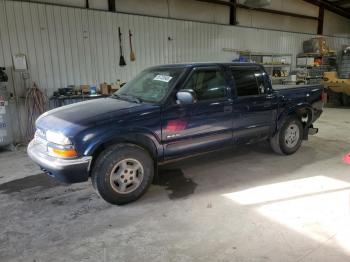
(122,173)
(289,138)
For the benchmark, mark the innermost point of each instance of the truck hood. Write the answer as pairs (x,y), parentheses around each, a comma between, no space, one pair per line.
(74,118)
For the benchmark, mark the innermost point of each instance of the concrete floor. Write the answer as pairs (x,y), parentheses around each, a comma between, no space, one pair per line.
(242,205)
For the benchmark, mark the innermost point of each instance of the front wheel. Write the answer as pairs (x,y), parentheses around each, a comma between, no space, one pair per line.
(122,173)
(288,139)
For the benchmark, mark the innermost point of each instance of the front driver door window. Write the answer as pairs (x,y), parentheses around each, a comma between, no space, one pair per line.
(207,84)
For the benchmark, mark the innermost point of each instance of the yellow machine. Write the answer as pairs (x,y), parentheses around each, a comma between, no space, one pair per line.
(337,88)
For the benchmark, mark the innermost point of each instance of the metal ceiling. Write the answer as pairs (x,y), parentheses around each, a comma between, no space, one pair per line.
(341,7)
(343,4)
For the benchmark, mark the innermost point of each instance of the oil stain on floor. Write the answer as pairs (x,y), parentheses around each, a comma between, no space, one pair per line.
(175,181)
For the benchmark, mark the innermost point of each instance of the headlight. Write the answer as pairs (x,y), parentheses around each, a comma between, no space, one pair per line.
(59,145)
(57,138)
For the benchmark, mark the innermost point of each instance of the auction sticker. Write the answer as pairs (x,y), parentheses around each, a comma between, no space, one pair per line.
(163,78)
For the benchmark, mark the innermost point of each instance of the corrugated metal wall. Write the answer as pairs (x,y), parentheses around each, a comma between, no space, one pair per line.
(71,46)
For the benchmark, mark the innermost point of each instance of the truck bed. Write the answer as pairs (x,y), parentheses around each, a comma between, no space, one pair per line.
(296,94)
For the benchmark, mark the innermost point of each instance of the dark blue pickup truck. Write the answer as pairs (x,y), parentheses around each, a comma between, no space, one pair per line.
(167,113)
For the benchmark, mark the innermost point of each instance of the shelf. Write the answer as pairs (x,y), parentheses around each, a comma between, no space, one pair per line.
(278,77)
(315,55)
(254,53)
(276,65)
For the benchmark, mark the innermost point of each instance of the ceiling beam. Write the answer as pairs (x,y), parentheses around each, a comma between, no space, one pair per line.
(218,2)
(341,2)
(277,12)
(271,11)
(331,7)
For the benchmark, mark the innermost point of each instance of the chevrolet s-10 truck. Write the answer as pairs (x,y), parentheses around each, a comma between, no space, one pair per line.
(167,113)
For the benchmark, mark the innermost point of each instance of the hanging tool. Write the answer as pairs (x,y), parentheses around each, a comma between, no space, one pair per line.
(132,54)
(121,59)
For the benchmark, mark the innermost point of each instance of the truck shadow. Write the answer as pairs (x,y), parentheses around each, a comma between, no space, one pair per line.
(39,181)
(243,167)
(228,168)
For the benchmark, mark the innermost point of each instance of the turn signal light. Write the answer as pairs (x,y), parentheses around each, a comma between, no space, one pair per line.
(64,153)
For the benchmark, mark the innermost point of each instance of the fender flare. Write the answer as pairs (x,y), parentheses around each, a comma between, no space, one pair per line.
(146,140)
(295,110)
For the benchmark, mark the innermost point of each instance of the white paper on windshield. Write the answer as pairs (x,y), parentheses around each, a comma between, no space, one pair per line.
(163,78)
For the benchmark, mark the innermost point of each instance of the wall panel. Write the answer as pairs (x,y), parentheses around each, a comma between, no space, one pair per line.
(67,46)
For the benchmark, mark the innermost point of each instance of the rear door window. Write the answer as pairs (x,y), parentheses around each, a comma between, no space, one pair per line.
(249,81)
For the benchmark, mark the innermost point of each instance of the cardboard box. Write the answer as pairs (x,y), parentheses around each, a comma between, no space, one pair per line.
(316,45)
(85,89)
(114,88)
(301,61)
(105,89)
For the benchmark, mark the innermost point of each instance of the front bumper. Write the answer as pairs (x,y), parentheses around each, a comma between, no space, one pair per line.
(66,170)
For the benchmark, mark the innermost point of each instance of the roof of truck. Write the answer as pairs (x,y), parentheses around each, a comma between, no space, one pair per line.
(194,64)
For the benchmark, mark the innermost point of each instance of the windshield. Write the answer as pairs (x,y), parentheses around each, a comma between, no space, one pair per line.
(151,85)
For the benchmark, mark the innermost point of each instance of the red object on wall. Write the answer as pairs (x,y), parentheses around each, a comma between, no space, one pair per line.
(176,125)
(347,158)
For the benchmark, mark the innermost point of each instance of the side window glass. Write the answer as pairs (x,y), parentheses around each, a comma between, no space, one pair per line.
(207,84)
(246,81)
(260,81)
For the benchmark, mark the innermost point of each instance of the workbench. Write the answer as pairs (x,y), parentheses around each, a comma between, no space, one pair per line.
(58,101)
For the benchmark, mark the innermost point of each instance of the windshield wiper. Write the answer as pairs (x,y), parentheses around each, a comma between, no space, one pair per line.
(128,98)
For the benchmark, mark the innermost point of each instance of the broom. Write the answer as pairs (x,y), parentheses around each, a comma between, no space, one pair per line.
(132,54)
(121,59)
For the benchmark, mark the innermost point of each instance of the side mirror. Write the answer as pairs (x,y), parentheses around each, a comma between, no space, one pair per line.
(185,97)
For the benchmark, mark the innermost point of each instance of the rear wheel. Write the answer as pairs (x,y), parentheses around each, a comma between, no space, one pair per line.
(122,173)
(289,138)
